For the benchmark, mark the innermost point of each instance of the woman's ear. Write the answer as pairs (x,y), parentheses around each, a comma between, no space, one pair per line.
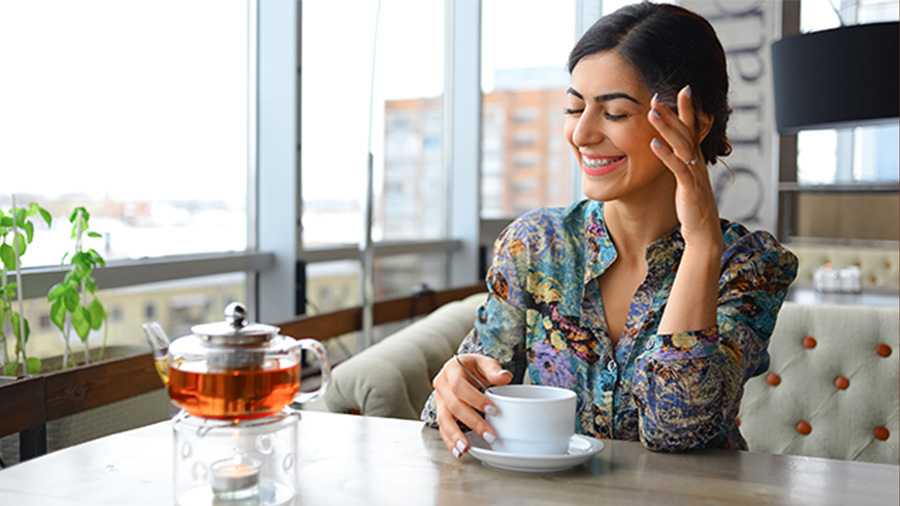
(704,122)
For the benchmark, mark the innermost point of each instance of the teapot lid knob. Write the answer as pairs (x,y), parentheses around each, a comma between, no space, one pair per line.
(236,315)
(236,328)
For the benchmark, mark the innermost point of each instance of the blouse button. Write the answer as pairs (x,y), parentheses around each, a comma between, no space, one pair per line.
(611,366)
(803,428)
(604,430)
(649,344)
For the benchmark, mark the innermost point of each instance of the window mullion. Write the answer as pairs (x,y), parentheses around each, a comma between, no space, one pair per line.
(462,135)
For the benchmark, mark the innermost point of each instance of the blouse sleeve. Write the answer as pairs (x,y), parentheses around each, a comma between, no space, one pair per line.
(688,385)
(499,330)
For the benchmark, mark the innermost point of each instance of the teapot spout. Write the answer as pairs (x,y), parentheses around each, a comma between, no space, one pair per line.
(159,343)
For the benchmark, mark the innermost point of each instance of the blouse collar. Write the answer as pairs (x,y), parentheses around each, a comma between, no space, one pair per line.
(585,219)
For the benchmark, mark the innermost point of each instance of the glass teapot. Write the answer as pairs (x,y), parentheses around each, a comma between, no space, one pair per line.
(234,370)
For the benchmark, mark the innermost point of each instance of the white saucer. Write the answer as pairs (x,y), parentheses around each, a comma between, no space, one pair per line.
(581,449)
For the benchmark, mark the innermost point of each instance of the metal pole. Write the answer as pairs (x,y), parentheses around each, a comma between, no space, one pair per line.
(366,248)
(367,259)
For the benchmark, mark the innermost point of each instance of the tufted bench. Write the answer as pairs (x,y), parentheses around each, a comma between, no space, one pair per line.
(880,266)
(835,371)
(833,386)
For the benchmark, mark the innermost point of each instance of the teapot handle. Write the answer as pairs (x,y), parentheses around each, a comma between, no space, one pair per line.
(315,346)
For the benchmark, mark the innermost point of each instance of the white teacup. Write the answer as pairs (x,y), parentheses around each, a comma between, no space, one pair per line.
(532,419)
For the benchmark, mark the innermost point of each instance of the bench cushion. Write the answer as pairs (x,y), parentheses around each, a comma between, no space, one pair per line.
(827,374)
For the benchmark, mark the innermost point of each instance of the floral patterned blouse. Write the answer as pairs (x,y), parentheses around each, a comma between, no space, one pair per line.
(544,318)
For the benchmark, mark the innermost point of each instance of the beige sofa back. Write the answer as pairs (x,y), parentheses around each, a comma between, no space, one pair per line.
(393,379)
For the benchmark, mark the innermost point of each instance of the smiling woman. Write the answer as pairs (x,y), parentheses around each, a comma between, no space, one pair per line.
(640,299)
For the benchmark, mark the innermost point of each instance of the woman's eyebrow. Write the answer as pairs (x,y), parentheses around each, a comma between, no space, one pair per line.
(612,96)
(605,97)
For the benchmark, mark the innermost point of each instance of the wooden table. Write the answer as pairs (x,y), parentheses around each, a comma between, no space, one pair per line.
(348,460)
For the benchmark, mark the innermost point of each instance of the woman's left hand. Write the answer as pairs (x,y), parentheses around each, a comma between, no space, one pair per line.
(679,148)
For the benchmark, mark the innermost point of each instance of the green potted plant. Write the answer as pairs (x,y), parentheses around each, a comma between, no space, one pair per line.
(16,233)
(71,310)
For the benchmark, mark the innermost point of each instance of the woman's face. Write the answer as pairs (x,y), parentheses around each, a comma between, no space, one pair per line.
(607,127)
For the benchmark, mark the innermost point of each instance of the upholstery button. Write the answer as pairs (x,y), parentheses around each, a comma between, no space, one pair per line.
(804,428)
(883,350)
(881,433)
(841,383)
(773,379)
(809,342)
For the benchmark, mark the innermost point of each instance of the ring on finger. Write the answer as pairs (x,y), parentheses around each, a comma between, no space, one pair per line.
(692,162)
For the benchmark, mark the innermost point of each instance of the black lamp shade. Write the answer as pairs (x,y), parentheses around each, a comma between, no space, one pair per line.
(837,78)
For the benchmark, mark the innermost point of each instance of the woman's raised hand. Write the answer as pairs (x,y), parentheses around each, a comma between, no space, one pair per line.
(681,134)
(457,397)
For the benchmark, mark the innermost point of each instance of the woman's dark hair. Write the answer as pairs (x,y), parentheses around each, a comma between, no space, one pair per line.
(670,47)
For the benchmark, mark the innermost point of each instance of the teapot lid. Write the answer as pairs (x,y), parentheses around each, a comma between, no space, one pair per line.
(235,329)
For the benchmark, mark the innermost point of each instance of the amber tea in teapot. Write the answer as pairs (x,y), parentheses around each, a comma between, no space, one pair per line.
(246,393)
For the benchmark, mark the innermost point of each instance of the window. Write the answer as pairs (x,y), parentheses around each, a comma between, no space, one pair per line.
(148,132)
(525,115)
(524,160)
(867,154)
(406,121)
(524,139)
(332,285)
(388,105)
(137,111)
(188,302)
(523,81)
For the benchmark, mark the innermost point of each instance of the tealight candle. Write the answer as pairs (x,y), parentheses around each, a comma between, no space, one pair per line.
(236,477)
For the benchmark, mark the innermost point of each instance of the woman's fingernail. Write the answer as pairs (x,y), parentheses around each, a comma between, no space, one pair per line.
(460,446)
(687,91)
(654,111)
(490,438)
(656,143)
(490,410)
(655,98)
(456,453)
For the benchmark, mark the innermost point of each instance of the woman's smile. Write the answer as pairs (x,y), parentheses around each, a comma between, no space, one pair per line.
(594,165)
